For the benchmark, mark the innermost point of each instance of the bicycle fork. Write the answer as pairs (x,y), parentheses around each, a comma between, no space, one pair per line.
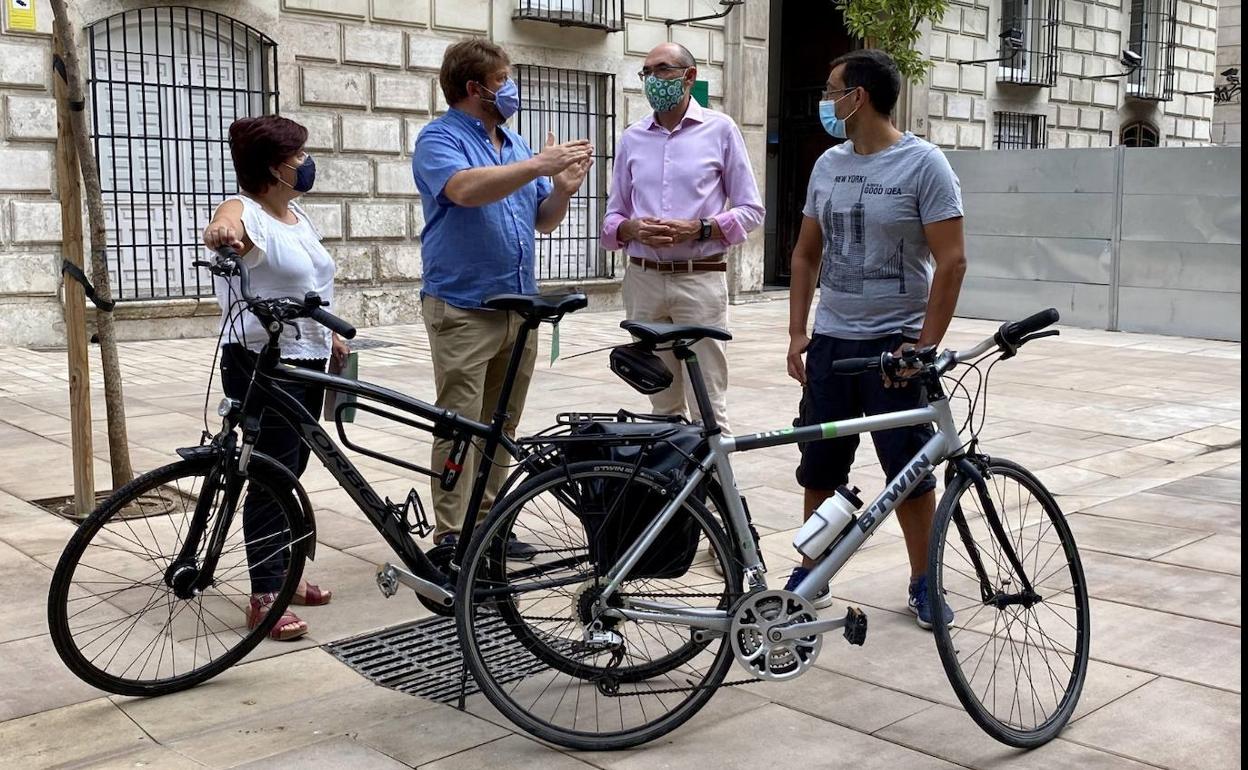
(991,595)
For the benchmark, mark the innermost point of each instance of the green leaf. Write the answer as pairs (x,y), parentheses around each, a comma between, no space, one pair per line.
(894,26)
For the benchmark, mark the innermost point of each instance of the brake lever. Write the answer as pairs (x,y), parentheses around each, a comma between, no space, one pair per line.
(1038,335)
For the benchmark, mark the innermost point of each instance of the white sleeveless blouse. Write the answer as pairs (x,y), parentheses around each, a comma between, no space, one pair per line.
(286,261)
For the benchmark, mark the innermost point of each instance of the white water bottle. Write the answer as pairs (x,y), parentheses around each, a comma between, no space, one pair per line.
(826,522)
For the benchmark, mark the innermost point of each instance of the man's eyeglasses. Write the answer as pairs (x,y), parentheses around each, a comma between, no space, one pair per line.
(660,70)
(831,93)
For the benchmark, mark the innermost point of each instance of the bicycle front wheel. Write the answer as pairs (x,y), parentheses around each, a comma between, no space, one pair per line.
(1017,659)
(527,630)
(126,619)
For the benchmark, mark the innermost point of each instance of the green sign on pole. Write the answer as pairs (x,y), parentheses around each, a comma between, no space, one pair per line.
(700,93)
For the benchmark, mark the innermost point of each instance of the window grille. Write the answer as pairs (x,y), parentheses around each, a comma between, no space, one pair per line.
(1028,47)
(165,85)
(1020,131)
(1152,36)
(573,105)
(606,15)
(1140,134)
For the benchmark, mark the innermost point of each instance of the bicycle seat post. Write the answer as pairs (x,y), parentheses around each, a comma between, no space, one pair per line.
(498,424)
(703,397)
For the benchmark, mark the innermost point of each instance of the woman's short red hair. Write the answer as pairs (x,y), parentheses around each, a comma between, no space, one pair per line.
(259,144)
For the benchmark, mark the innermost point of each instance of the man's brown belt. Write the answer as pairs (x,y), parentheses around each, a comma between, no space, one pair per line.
(715,264)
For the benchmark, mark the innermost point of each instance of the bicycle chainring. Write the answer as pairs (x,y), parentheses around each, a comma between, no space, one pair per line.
(755,617)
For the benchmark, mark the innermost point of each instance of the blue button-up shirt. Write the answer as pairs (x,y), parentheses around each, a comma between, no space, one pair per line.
(470,253)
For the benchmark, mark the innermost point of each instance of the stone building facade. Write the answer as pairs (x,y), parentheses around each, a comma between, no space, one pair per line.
(967,102)
(1227,106)
(361,75)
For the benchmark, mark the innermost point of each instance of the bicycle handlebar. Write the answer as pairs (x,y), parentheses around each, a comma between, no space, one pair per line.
(1008,339)
(228,263)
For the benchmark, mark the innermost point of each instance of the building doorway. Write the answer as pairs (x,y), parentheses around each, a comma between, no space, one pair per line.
(805,37)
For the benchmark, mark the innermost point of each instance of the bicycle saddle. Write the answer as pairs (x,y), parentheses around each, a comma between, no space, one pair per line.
(657,333)
(539,306)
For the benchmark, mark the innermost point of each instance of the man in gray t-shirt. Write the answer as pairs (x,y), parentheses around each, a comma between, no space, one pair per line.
(882,238)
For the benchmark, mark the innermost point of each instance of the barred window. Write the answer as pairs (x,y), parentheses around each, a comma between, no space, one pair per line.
(1028,47)
(606,15)
(1140,134)
(1152,36)
(165,85)
(1020,131)
(573,105)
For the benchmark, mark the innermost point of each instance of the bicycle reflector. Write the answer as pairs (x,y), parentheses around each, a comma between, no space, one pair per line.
(641,368)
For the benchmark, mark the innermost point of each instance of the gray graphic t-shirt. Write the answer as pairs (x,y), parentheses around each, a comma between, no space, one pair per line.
(877,268)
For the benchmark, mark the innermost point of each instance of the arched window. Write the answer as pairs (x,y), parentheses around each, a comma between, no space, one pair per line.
(1140,134)
(165,85)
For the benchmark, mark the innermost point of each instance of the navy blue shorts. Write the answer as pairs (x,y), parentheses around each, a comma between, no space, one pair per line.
(828,397)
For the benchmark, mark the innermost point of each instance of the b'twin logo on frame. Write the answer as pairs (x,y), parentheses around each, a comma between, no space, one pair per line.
(908,478)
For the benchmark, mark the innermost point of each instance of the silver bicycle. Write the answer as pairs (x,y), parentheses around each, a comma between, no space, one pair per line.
(639,601)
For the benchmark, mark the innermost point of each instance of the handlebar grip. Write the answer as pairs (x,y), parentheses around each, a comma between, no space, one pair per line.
(332,322)
(1014,332)
(855,365)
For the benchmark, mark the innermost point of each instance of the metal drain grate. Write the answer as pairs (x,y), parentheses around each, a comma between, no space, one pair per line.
(423,658)
(361,343)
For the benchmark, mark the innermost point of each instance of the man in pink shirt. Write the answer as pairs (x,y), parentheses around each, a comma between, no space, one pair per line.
(682,193)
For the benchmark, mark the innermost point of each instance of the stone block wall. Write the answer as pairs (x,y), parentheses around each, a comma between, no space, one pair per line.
(1078,113)
(362,76)
(30,217)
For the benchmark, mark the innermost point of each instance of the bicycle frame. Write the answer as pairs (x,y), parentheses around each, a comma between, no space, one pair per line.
(443,423)
(943,446)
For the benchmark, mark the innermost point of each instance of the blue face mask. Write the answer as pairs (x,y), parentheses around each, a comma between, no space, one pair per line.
(831,123)
(507,99)
(305,175)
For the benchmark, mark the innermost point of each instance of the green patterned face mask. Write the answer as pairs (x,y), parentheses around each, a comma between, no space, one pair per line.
(664,95)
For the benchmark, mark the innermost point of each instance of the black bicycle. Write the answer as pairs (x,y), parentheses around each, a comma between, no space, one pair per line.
(152,593)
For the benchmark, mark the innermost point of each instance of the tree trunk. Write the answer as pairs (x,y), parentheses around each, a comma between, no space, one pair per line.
(114,403)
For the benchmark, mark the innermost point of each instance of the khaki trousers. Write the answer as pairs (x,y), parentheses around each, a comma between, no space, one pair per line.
(470,350)
(697,298)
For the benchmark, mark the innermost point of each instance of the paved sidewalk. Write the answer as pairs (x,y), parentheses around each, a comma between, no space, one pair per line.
(1138,435)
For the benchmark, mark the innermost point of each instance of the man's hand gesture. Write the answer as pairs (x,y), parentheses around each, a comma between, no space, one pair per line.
(555,159)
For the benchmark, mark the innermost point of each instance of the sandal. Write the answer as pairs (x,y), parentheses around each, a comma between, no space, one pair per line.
(312,596)
(288,627)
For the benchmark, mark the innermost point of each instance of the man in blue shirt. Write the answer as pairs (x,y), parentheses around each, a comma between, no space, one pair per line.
(484,192)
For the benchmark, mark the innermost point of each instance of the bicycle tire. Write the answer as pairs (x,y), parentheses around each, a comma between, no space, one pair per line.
(953,516)
(479,562)
(61,616)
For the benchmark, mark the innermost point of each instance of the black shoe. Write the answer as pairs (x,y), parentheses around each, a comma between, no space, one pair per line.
(519,551)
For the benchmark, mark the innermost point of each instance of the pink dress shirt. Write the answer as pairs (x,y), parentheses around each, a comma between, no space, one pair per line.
(693,172)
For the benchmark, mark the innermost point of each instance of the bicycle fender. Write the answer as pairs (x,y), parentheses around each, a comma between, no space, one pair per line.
(267,464)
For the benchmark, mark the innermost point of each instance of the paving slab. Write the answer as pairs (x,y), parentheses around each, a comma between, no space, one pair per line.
(1168,723)
(1170,645)
(329,755)
(943,732)
(1220,553)
(771,736)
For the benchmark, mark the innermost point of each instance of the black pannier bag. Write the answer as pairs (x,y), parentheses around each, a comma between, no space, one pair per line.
(615,513)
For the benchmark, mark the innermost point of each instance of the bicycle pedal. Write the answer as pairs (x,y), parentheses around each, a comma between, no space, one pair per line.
(387,580)
(855,626)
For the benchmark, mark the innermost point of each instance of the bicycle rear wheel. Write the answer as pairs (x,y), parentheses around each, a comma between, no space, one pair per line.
(523,626)
(121,615)
(1017,661)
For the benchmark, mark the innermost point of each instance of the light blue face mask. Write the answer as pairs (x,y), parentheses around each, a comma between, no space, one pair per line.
(506,100)
(831,123)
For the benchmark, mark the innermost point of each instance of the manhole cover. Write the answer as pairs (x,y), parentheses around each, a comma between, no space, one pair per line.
(423,658)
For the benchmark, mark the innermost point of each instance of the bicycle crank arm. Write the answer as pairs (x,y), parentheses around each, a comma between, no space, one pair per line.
(389,577)
(854,623)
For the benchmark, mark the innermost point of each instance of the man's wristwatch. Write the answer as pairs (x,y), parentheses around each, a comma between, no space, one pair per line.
(706,229)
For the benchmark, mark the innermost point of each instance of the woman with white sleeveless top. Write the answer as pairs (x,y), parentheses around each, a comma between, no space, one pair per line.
(276,240)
